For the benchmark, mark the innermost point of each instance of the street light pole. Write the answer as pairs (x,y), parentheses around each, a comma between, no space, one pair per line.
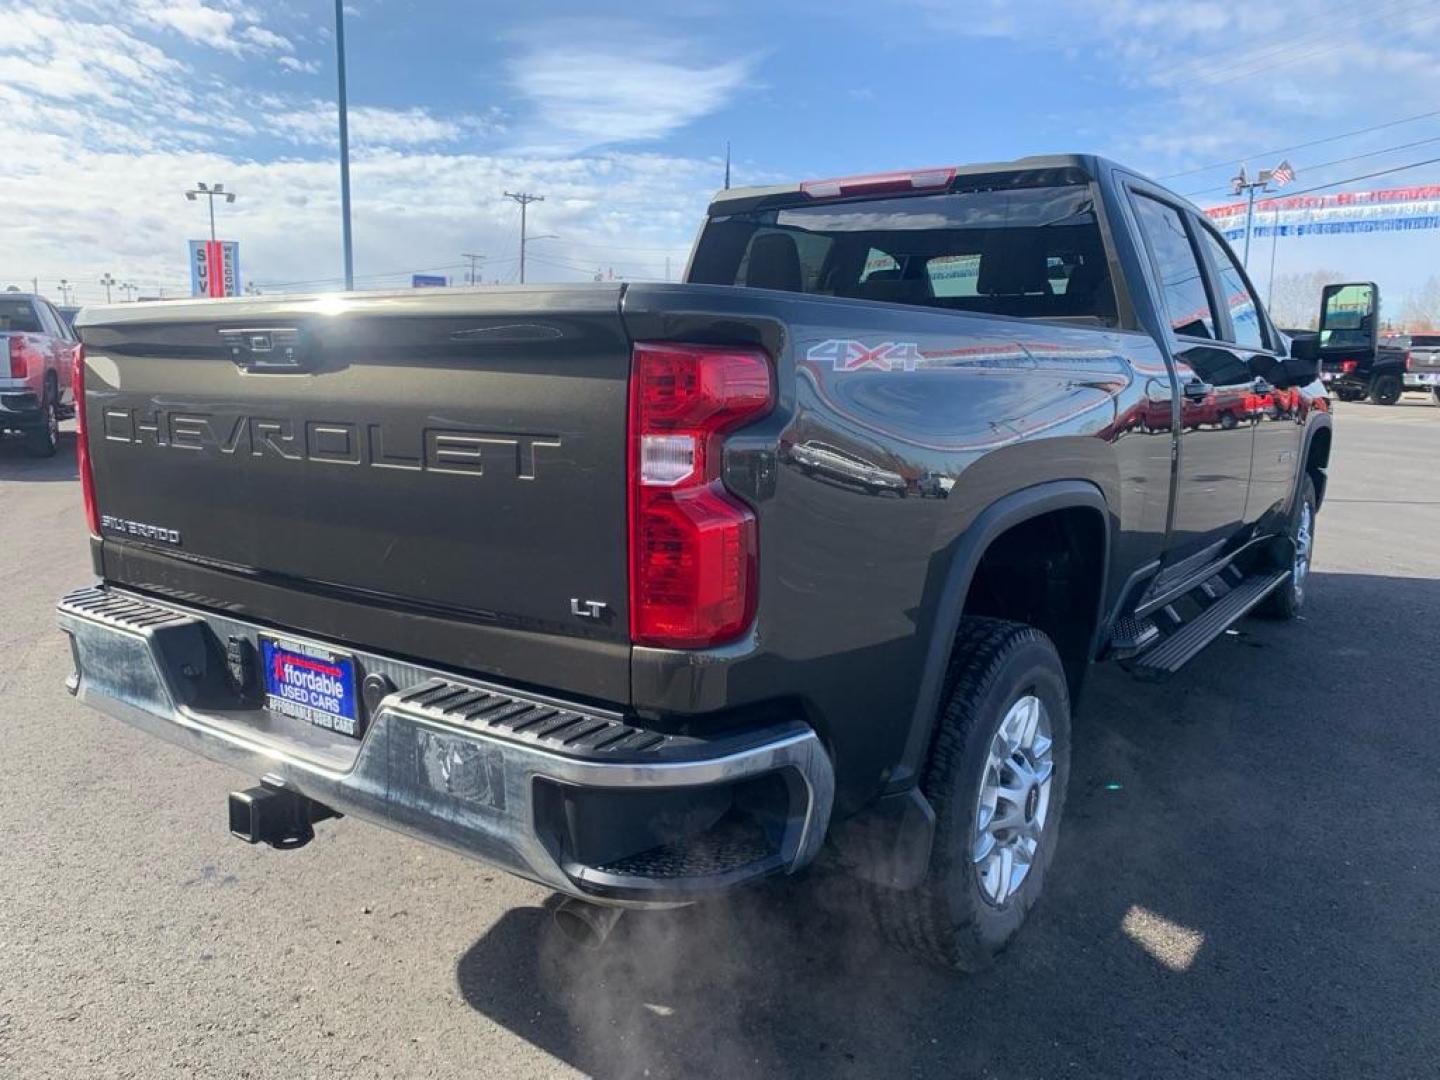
(1241,182)
(65,291)
(524,198)
(128,288)
(211,192)
(344,147)
(107,281)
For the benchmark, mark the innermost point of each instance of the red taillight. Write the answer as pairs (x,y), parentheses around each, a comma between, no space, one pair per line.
(879,183)
(82,445)
(20,353)
(1348,367)
(693,546)
(1407,361)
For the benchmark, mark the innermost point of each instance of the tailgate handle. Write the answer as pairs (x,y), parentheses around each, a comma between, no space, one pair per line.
(261,349)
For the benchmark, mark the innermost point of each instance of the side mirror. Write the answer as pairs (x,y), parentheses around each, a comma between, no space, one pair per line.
(1302,366)
(1350,315)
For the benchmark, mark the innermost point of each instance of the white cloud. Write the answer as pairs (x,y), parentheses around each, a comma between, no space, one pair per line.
(586,94)
(317,125)
(291,63)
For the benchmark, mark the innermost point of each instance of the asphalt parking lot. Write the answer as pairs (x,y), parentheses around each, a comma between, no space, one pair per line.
(1246,884)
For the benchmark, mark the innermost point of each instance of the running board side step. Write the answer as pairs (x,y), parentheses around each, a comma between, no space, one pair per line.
(1179,648)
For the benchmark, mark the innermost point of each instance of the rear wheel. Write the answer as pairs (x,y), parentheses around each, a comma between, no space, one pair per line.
(996,779)
(43,439)
(1386,390)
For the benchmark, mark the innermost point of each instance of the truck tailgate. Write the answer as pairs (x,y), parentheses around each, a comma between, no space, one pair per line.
(454,457)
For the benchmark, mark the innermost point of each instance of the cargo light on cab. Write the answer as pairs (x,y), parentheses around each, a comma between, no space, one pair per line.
(879,183)
(694,547)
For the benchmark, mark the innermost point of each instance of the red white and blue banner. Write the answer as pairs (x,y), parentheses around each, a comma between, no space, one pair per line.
(1391,210)
(214,268)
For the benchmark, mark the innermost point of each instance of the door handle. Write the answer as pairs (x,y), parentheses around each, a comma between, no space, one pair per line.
(1196,390)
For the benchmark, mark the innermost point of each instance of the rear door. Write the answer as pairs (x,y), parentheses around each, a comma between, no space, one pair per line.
(440,473)
(1216,436)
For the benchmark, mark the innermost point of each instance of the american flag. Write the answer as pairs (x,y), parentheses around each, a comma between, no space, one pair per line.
(1282,174)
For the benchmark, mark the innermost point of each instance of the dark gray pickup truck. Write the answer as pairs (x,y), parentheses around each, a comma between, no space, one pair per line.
(644,592)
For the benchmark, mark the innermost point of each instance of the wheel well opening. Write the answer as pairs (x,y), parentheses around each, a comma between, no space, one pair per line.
(1047,572)
(1317,459)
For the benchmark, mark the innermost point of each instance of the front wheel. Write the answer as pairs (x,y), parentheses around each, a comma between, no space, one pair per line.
(996,778)
(1287,600)
(1386,390)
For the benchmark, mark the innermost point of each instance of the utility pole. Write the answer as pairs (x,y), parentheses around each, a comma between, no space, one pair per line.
(471,277)
(107,281)
(524,198)
(1241,182)
(344,147)
(727,164)
(128,288)
(211,192)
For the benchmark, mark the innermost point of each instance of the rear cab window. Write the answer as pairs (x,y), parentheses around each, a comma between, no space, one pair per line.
(18,316)
(1027,245)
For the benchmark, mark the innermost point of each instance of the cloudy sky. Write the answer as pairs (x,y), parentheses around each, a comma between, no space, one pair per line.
(113,107)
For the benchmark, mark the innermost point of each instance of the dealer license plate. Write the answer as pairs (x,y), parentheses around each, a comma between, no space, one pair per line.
(311,683)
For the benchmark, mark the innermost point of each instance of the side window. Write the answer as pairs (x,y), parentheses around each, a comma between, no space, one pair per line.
(62,328)
(1182,285)
(49,321)
(1244,309)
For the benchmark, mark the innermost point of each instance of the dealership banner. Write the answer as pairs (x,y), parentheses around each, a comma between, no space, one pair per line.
(214,268)
(1392,210)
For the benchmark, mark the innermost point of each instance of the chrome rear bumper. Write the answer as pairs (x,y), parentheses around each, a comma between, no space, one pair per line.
(570,796)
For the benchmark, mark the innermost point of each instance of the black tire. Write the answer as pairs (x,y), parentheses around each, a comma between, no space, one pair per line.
(1287,601)
(948,920)
(1228,421)
(1386,389)
(43,439)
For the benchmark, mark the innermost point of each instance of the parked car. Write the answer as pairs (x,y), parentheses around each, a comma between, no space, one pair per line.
(37,350)
(1422,363)
(531,574)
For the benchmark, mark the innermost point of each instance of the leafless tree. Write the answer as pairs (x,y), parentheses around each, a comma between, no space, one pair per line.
(1421,309)
(1295,302)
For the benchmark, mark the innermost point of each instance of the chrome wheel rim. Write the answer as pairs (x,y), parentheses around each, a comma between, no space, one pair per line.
(1014,800)
(1304,538)
(52,424)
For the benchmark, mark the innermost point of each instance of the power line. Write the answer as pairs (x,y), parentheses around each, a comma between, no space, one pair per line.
(1356,179)
(1302,146)
(1329,34)
(1344,160)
